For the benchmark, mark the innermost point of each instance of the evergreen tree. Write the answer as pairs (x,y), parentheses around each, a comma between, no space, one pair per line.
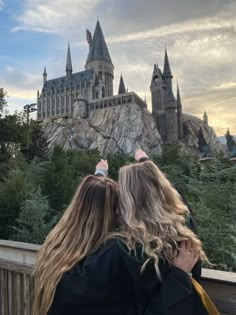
(231,143)
(3,102)
(13,191)
(31,225)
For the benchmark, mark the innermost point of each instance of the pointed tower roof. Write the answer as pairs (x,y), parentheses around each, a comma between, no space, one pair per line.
(98,50)
(205,117)
(167,71)
(179,103)
(68,60)
(121,89)
(44,71)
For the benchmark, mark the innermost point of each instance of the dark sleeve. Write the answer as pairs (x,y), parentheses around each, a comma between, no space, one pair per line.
(175,296)
(171,296)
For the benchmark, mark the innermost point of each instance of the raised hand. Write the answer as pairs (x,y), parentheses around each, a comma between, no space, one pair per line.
(186,257)
(102,165)
(139,154)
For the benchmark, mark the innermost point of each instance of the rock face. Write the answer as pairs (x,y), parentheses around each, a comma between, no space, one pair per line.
(196,140)
(116,129)
(125,128)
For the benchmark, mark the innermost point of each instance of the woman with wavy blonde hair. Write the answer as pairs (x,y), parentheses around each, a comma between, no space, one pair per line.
(153,220)
(153,212)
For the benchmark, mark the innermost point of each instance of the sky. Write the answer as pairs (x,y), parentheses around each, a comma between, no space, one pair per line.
(200,37)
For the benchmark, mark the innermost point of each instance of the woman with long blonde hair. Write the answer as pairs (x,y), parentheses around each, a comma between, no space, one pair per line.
(153,219)
(80,232)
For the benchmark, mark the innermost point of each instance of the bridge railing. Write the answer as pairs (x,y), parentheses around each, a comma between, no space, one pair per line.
(17,262)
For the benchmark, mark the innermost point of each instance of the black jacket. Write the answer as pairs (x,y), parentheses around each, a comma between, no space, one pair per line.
(109,282)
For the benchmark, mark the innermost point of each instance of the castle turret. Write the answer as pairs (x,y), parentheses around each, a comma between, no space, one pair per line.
(158,90)
(68,63)
(121,89)
(170,103)
(205,118)
(44,75)
(179,115)
(99,59)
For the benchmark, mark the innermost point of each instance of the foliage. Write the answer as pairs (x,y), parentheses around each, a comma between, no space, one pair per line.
(13,191)
(31,224)
(3,102)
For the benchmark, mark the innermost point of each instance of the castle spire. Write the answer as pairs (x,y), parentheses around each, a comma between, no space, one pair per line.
(167,71)
(168,79)
(179,115)
(44,75)
(121,89)
(68,63)
(179,103)
(205,117)
(98,47)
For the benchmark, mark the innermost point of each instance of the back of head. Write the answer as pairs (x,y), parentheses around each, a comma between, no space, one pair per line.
(82,229)
(146,193)
(152,212)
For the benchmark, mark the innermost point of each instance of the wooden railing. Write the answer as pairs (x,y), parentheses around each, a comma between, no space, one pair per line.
(17,261)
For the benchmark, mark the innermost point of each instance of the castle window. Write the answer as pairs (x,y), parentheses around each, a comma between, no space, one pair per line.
(155,79)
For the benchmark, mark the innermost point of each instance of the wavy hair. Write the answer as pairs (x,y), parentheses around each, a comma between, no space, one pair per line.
(81,231)
(153,214)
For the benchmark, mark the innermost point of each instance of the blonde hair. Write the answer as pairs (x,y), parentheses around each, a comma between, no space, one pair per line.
(153,214)
(81,231)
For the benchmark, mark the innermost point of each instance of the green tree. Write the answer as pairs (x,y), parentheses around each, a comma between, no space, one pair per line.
(58,183)
(31,225)
(3,102)
(13,191)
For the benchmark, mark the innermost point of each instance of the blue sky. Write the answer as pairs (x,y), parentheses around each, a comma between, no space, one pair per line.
(200,37)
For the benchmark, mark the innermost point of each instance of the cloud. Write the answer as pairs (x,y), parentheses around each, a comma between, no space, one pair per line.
(2,4)
(197,25)
(53,16)
(21,87)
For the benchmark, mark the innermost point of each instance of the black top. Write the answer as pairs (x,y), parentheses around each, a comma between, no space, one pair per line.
(110,282)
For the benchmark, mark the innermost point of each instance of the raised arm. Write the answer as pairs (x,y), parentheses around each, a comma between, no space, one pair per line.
(101,168)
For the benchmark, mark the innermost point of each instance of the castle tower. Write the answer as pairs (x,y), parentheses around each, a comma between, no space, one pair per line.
(179,115)
(158,90)
(170,104)
(99,59)
(121,89)
(68,64)
(205,118)
(44,75)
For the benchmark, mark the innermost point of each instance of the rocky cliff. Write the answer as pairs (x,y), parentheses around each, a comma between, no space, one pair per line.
(114,129)
(123,129)
(199,137)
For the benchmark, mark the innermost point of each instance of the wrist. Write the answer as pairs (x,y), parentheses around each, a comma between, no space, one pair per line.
(101,171)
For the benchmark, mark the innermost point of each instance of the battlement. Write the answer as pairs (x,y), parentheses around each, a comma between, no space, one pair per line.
(113,101)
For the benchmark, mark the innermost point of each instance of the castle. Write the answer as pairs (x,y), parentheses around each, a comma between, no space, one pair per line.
(76,94)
